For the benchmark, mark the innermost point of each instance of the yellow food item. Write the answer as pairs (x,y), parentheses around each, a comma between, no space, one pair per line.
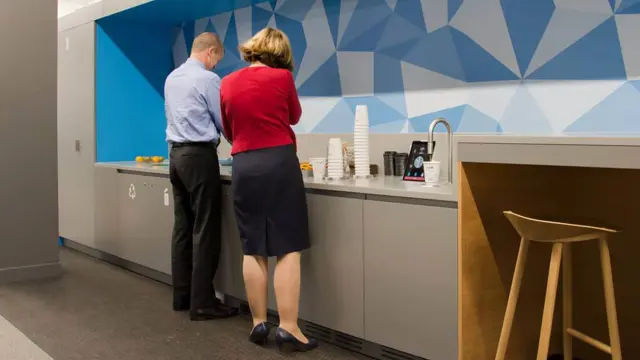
(157,159)
(139,159)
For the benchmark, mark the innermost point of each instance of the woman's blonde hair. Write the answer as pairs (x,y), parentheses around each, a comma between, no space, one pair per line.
(270,47)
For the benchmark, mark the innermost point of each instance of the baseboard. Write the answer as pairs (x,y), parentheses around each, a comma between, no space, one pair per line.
(330,336)
(32,272)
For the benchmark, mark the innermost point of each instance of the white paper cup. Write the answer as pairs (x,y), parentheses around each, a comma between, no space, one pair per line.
(318,165)
(335,148)
(431,172)
(362,115)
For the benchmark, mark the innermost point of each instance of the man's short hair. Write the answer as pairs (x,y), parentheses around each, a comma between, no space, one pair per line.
(206,41)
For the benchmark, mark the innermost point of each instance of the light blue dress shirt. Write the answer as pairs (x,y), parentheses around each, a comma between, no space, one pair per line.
(192,104)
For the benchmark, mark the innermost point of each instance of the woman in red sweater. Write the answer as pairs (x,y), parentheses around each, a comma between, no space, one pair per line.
(259,105)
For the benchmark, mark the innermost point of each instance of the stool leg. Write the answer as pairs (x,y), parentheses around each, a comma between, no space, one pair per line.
(549,302)
(513,299)
(567,303)
(610,300)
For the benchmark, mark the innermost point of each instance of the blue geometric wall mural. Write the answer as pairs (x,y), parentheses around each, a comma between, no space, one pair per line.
(485,65)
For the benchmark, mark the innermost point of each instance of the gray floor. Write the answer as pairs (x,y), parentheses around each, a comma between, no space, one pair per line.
(96,311)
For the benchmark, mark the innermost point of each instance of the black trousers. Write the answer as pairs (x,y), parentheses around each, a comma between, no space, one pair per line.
(195,175)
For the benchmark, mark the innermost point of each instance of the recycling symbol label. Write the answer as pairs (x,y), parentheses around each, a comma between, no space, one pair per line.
(132,192)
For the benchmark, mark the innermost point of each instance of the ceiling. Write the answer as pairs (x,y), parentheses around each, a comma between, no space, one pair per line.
(68,6)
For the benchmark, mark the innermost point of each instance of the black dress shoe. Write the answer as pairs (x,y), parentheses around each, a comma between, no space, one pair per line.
(216,312)
(259,334)
(181,306)
(288,343)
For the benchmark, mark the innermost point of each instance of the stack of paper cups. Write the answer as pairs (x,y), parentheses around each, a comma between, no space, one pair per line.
(361,141)
(335,161)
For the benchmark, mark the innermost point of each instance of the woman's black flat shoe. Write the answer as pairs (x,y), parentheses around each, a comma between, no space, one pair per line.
(259,334)
(288,343)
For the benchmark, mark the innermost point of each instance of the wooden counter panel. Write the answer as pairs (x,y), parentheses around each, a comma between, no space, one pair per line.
(488,247)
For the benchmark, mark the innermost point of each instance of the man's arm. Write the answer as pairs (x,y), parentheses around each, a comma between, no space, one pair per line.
(213,103)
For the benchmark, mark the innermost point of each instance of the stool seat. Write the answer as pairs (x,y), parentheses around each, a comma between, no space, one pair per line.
(562,236)
(551,231)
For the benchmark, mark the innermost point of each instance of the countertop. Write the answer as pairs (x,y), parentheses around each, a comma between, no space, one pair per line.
(592,139)
(585,150)
(608,150)
(382,185)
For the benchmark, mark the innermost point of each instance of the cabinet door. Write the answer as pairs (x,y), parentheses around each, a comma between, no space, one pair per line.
(131,222)
(140,202)
(159,216)
(76,133)
(411,278)
(107,203)
(332,287)
(229,279)
(332,292)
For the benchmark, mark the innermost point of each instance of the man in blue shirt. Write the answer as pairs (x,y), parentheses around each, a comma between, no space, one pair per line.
(194,127)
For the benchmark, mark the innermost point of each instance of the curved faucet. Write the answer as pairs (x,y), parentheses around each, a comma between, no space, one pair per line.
(430,143)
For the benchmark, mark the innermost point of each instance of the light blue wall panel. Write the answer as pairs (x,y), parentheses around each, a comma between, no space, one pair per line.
(532,66)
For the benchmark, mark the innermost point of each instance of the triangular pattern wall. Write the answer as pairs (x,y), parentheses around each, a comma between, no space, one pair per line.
(526,66)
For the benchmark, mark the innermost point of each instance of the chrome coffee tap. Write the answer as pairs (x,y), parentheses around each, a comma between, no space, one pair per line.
(430,143)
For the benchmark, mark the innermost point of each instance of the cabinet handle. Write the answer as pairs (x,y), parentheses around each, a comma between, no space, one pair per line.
(77,145)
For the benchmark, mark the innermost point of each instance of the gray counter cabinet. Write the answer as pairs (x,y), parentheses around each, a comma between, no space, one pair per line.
(410,253)
(161,216)
(332,290)
(107,233)
(382,269)
(331,293)
(145,222)
(229,278)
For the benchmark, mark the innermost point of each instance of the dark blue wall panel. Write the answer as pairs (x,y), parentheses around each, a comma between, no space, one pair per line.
(132,62)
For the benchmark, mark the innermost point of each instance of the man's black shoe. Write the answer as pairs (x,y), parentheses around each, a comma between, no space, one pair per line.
(181,306)
(217,312)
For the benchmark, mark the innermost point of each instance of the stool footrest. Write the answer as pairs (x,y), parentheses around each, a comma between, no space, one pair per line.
(589,340)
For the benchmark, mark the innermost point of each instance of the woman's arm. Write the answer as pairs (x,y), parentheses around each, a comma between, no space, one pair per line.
(295,110)
(226,124)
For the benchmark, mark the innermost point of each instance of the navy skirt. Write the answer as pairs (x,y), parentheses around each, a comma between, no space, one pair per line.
(270,201)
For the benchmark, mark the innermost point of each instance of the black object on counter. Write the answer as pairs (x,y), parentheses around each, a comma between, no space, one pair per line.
(414,168)
(400,163)
(389,163)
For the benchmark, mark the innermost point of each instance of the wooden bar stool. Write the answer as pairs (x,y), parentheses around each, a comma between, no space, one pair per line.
(561,235)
